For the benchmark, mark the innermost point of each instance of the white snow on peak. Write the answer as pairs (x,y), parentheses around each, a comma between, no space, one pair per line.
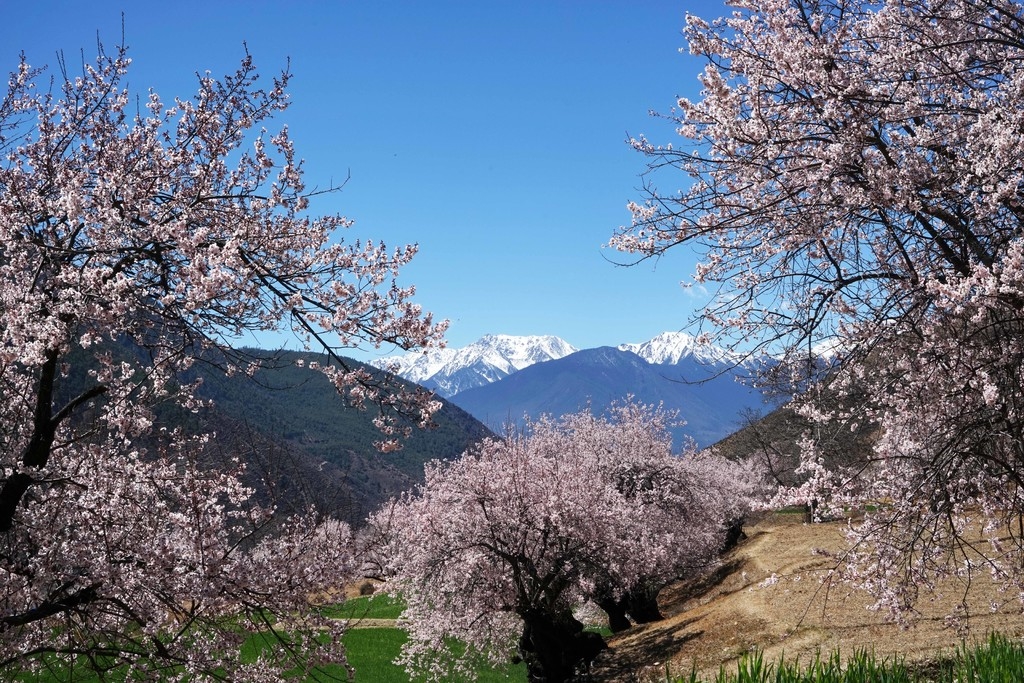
(514,353)
(486,360)
(418,366)
(496,356)
(672,347)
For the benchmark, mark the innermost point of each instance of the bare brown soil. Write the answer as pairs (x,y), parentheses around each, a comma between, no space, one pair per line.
(371,623)
(713,621)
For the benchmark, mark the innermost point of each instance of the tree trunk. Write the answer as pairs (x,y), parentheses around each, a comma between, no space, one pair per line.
(642,604)
(616,611)
(734,534)
(555,647)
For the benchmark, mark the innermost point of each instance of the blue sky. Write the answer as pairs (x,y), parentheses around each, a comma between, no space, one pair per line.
(491,134)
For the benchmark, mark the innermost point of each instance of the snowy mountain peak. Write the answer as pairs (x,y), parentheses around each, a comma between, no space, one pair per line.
(672,347)
(520,352)
(418,366)
(490,358)
(496,356)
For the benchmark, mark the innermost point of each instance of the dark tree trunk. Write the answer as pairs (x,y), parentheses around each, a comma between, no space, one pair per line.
(642,604)
(733,534)
(555,647)
(616,611)
(44,430)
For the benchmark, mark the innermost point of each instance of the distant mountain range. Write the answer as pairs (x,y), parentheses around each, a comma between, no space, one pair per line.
(501,379)
(491,358)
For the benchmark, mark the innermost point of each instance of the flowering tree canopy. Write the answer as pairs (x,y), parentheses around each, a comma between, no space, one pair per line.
(856,175)
(137,236)
(496,548)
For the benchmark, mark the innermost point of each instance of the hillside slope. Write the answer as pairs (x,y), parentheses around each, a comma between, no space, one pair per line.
(298,414)
(796,614)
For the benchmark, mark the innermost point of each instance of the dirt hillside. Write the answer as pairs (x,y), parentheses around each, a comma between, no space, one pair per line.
(741,606)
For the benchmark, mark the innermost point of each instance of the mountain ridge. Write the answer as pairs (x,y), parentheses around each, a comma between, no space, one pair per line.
(670,348)
(288,413)
(711,400)
(494,357)
(491,358)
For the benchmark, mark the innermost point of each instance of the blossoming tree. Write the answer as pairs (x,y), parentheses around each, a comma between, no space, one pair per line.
(137,236)
(855,182)
(495,549)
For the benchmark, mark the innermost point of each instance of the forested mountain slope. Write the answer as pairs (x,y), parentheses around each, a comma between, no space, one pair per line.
(299,440)
(295,413)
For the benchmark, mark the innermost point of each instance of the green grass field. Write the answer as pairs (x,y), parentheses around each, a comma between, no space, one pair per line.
(371,652)
(380,606)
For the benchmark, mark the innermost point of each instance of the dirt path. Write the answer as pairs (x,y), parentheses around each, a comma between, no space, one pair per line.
(769,594)
(371,623)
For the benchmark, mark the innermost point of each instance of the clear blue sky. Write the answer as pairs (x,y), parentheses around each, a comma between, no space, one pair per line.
(491,134)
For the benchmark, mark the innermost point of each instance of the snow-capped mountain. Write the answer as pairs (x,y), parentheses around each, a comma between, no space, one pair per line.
(708,398)
(489,359)
(496,356)
(417,366)
(502,377)
(670,348)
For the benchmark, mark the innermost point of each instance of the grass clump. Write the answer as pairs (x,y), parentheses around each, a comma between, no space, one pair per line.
(999,660)
(862,667)
(996,660)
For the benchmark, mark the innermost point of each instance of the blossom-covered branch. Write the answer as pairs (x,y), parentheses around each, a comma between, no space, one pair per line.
(138,237)
(855,174)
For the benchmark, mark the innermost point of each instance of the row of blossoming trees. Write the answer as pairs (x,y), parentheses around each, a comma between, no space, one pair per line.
(856,172)
(856,183)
